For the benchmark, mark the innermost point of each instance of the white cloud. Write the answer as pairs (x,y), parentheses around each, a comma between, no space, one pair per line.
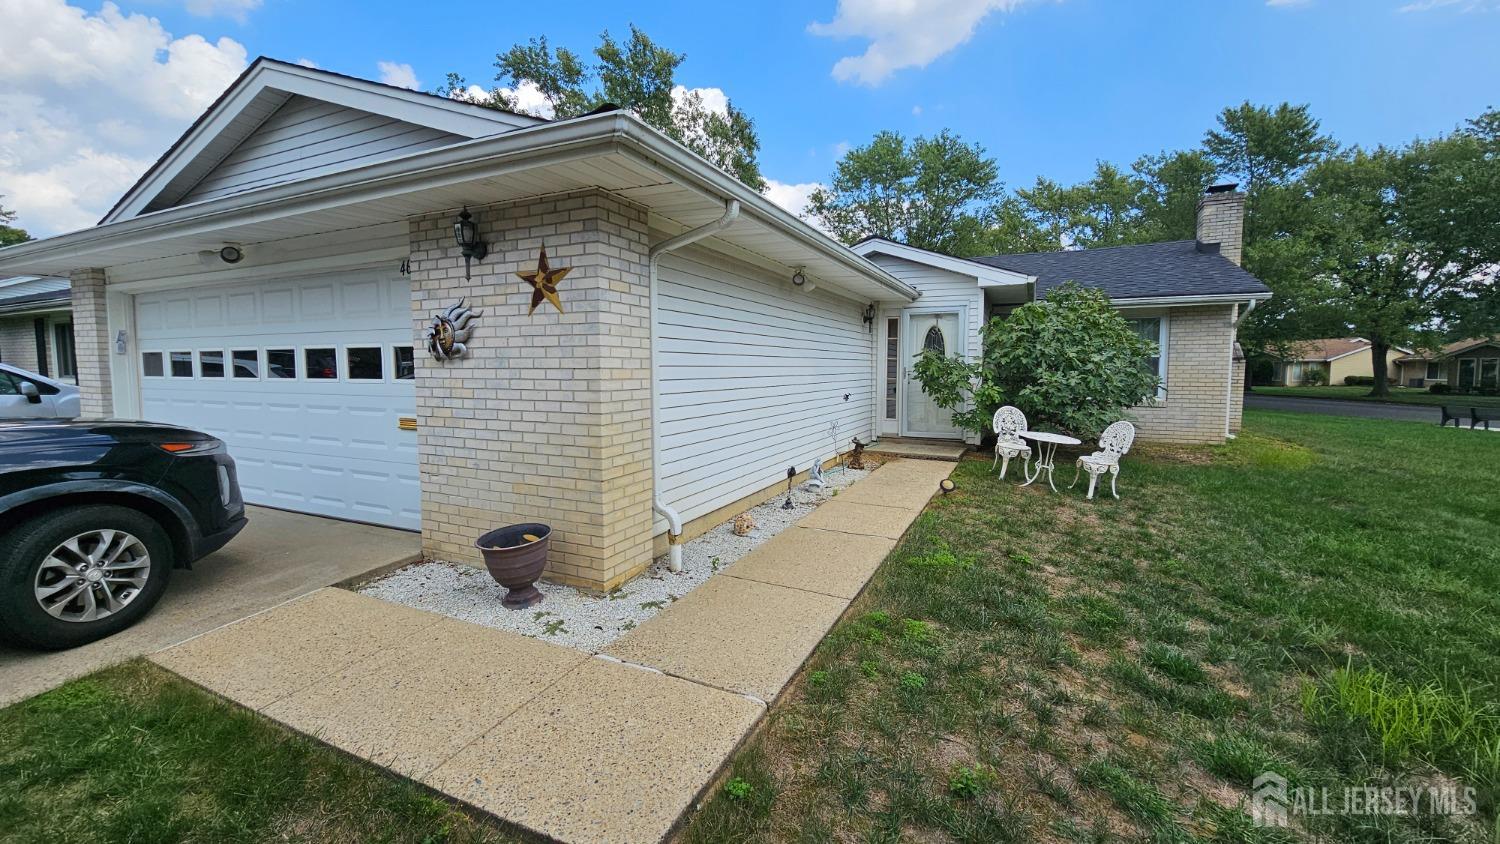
(308,63)
(89,101)
(916,111)
(239,10)
(400,75)
(792,197)
(1284,3)
(903,33)
(529,98)
(712,99)
(841,148)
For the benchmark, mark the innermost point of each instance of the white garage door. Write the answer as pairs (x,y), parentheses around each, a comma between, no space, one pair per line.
(305,379)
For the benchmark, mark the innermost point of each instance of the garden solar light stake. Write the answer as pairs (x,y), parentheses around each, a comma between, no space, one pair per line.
(791,472)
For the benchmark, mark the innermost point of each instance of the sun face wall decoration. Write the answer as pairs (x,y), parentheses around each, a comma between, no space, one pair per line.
(543,281)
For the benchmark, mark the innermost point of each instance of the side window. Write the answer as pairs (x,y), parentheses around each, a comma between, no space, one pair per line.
(281,363)
(365,363)
(211,364)
(321,363)
(151,365)
(8,385)
(182,364)
(245,362)
(403,364)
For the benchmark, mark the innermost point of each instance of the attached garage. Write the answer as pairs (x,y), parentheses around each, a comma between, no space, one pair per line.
(306,379)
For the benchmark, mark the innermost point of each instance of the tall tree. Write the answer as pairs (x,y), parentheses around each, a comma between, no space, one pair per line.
(10,235)
(637,75)
(935,193)
(1407,238)
(1268,150)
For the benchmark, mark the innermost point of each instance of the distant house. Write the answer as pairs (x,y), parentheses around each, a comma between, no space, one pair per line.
(36,326)
(1467,364)
(1330,361)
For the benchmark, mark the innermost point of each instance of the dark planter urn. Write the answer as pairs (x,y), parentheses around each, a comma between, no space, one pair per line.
(516,562)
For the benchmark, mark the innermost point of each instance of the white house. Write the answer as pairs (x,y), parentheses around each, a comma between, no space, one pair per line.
(271,278)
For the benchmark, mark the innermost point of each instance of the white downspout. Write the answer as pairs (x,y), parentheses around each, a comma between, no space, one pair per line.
(1234,327)
(653,261)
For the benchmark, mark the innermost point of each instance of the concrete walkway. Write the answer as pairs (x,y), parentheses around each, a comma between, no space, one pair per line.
(614,747)
(277,557)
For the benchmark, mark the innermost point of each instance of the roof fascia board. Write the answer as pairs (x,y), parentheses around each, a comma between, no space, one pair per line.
(412,107)
(986,275)
(1206,299)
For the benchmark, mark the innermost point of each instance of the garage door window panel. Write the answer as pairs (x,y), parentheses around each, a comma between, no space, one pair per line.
(151,365)
(365,363)
(404,364)
(181,364)
(245,363)
(322,363)
(211,363)
(281,363)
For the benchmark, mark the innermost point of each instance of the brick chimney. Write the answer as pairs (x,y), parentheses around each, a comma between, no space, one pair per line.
(1221,221)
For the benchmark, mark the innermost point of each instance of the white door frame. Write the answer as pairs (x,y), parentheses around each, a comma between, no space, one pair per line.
(906,339)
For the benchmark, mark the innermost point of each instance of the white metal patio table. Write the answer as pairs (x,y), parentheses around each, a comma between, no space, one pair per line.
(1046,450)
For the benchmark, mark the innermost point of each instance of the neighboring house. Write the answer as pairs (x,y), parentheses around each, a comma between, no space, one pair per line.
(36,326)
(1331,360)
(271,277)
(1187,296)
(1465,365)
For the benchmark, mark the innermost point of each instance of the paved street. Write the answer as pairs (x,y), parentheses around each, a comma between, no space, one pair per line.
(1337,407)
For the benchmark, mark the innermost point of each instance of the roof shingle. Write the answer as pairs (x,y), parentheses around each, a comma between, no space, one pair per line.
(1149,270)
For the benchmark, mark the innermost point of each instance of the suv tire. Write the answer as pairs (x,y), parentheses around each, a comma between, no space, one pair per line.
(132,536)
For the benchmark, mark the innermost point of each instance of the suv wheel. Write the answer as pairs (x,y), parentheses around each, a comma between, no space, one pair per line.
(81,574)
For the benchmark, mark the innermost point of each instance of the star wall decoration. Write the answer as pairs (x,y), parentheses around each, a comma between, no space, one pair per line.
(543,281)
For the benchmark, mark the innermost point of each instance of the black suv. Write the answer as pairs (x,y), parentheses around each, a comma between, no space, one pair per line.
(95,515)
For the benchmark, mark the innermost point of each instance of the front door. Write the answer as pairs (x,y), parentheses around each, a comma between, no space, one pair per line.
(939,331)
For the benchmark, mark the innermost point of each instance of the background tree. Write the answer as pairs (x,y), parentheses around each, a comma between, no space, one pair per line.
(9,234)
(636,75)
(1069,361)
(1406,239)
(935,193)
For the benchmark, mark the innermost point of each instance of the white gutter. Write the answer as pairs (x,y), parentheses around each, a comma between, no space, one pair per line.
(1234,327)
(653,262)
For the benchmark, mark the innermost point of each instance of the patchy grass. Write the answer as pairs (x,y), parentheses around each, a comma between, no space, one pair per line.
(1319,598)
(1399,395)
(134,754)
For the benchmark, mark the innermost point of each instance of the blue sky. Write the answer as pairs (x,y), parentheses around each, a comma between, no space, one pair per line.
(1047,87)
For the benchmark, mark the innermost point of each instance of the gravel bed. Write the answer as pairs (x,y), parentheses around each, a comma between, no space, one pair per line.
(586,621)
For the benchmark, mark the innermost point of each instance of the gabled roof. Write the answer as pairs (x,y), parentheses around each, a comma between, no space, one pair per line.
(1458,347)
(267,85)
(986,274)
(1174,269)
(1333,348)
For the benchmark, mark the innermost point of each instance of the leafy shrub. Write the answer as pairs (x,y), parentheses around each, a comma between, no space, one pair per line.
(1068,361)
(1363,380)
(1441,388)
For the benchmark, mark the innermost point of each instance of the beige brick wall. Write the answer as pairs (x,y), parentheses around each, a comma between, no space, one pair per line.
(91,343)
(1221,220)
(1197,378)
(548,418)
(18,342)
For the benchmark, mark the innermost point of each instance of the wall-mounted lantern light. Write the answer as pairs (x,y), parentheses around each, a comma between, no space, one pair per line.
(466,233)
(869,316)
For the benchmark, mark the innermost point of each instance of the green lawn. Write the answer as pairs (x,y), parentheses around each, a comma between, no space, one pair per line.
(1399,395)
(1319,598)
(133,754)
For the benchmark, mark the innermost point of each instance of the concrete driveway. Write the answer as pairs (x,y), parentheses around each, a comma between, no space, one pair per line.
(279,556)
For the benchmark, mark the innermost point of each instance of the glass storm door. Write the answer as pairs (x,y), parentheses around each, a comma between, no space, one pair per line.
(938,332)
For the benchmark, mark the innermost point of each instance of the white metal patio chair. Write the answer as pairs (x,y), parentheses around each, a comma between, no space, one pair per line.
(1008,423)
(1113,444)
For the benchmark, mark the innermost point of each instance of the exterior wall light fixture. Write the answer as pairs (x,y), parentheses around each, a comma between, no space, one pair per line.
(466,233)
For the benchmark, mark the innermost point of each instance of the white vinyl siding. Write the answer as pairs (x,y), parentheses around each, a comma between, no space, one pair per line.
(307,137)
(941,288)
(750,373)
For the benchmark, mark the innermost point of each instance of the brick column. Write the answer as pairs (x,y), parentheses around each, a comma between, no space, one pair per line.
(548,417)
(92,344)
